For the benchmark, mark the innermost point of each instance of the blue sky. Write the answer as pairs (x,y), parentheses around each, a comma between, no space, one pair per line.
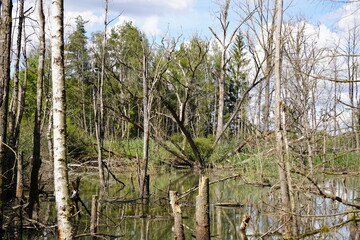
(188,17)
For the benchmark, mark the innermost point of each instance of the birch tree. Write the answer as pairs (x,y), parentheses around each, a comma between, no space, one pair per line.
(61,183)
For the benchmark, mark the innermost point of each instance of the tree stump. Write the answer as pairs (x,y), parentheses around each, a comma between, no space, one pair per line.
(202,210)
(94,208)
(178,224)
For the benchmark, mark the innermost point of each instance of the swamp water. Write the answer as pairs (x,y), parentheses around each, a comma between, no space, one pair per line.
(123,216)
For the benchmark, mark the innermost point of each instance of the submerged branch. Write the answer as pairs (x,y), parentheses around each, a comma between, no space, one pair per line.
(99,235)
(324,229)
(193,189)
(325,194)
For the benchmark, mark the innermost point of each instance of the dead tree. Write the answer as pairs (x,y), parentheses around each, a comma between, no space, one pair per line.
(36,160)
(202,210)
(178,224)
(5,46)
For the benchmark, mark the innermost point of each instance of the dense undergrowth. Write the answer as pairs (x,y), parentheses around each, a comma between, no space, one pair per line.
(335,152)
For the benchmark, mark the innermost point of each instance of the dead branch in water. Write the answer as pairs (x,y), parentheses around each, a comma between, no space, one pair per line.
(193,189)
(99,235)
(324,194)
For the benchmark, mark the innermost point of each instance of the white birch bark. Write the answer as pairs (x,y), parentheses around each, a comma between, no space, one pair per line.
(61,183)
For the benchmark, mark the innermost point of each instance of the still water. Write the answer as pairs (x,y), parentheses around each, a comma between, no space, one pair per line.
(124,216)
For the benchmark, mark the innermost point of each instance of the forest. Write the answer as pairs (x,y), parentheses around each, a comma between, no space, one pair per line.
(105,135)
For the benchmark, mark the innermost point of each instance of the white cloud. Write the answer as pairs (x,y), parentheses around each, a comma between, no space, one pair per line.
(88,16)
(177,4)
(123,19)
(348,15)
(151,26)
(132,7)
(326,37)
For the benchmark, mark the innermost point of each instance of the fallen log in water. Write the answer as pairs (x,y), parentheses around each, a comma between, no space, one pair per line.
(229,204)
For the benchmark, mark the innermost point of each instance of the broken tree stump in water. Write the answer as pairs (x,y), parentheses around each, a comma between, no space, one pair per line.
(243,226)
(245,222)
(94,208)
(178,224)
(202,210)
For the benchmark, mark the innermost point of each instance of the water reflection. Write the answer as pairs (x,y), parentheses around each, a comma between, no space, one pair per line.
(123,215)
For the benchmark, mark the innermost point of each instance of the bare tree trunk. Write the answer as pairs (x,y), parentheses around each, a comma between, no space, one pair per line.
(279,126)
(221,90)
(49,137)
(202,210)
(146,111)
(19,197)
(335,119)
(99,106)
(5,45)
(225,41)
(15,93)
(218,211)
(221,78)
(352,71)
(13,129)
(178,224)
(36,160)
(259,104)
(267,87)
(15,104)
(61,182)
(94,215)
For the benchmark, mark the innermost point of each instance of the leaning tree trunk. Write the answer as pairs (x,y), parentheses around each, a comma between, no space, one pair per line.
(5,45)
(280,142)
(36,160)
(61,183)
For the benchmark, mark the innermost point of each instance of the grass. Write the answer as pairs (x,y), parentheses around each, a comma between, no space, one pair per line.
(341,150)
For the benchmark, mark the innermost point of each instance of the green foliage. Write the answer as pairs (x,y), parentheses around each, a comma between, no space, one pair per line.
(77,57)
(79,146)
(125,46)
(236,83)
(30,100)
(204,146)
(27,138)
(177,137)
(184,73)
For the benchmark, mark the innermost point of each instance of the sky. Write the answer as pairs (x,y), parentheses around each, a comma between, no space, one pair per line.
(157,18)
(189,17)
